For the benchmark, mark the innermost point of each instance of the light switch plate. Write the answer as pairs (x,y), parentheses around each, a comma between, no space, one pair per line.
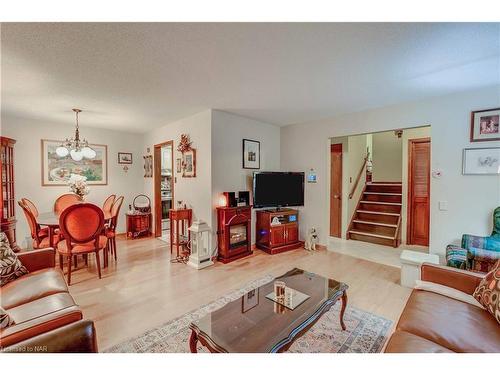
(443,205)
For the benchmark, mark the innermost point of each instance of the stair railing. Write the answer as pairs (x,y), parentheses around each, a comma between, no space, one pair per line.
(360,173)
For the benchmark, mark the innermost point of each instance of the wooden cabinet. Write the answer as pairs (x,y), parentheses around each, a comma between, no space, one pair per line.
(233,233)
(7,197)
(138,224)
(277,231)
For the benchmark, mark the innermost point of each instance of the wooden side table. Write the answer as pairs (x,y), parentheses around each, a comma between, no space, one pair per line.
(138,224)
(179,219)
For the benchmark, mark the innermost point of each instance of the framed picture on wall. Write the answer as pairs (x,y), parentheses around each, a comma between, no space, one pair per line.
(485,125)
(56,170)
(178,165)
(481,161)
(189,163)
(124,158)
(251,154)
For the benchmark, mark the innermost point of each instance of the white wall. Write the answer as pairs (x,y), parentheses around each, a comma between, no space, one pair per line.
(471,199)
(386,157)
(29,133)
(228,132)
(196,192)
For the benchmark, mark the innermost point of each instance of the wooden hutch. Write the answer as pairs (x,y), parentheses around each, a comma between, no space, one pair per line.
(7,196)
(277,230)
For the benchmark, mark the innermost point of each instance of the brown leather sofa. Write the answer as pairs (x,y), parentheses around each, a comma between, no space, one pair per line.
(40,304)
(432,323)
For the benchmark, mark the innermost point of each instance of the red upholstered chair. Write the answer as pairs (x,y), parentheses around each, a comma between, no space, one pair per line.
(108,203)
(39,235)
(82,226)
(111,230)
(66,200)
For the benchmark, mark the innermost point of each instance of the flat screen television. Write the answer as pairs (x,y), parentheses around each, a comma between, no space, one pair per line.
(278,189)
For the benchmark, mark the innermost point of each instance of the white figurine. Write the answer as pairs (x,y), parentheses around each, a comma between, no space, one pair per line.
(311,240)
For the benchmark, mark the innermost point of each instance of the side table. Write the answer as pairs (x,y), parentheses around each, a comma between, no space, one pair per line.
(180,221)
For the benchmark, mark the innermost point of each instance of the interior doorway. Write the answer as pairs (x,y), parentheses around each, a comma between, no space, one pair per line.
(163,187)
(419,157)
(336,190)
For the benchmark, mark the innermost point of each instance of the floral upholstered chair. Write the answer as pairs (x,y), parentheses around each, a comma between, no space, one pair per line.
(476,253)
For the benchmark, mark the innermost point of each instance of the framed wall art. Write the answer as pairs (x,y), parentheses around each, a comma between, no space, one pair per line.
(148,166)
(56,170)
(189,163)
(251,154)
(481,161)
(485,125)
(178,162)
(124,158)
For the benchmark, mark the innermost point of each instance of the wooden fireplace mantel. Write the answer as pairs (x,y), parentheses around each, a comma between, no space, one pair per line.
(228,217)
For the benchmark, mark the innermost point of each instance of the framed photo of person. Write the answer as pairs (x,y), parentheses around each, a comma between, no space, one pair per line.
(481,161)
(189,163)
(251,154)
(485,125)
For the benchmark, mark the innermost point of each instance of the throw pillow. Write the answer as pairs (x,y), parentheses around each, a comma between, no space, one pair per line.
(5,319)
(10,266)
(447,292)
(488,292)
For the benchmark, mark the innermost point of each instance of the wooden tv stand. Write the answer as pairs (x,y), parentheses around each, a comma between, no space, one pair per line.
(277,230)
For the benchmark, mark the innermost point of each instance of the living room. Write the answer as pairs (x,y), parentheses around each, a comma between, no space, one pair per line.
(95,261)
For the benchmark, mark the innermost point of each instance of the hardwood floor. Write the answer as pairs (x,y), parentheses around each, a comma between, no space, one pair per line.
(143,289)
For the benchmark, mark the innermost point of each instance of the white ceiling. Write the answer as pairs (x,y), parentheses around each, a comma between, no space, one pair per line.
(138,76)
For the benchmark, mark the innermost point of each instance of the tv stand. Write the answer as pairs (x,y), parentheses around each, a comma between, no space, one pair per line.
(277,230)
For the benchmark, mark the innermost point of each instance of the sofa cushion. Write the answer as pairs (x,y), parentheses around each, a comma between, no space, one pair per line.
(455,325)
(405,342)
(33,286)
(488,292)
(5,319)
(10,267)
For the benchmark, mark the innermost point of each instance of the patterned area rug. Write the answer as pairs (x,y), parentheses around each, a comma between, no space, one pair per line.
(365,333)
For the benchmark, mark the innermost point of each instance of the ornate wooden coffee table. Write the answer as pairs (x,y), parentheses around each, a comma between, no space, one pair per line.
(255,324)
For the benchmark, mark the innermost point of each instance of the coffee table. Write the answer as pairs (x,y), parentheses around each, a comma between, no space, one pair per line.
(255,324)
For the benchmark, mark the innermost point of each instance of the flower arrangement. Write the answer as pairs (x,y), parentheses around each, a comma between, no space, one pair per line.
(78,185)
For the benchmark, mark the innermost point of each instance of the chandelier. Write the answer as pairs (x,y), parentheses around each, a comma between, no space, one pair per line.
(74,147)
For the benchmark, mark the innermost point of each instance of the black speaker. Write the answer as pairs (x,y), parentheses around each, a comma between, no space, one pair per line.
(244,198)
(230,198)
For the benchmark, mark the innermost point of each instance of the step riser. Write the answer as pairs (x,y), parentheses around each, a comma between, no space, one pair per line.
(382,198)
(376,240)
(375,229)
(384,188)
(380,208)
(377,218)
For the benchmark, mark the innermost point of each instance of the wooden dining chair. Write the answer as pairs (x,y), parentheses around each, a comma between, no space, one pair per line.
(111,229)
(108,203)
(66,200)
(39,235)
(82,226)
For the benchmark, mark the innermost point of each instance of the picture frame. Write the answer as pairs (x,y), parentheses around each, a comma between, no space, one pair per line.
(148,166)
(485,125)
(178,163)
(189,163)
(481,161)
(251,154)
(55,171)
(249,300)
(124,158)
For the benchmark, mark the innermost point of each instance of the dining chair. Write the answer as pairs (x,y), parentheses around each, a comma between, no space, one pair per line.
(111,229)
(39,235)
(82,226)
(108,203)
(66,200)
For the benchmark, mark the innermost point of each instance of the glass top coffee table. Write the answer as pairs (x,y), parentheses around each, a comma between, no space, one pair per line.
(256,324)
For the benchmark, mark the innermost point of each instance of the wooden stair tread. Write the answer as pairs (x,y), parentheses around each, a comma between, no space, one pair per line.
(374,223)
(381,193)
(371,234)
(377,202)
(385,183)
(378,213)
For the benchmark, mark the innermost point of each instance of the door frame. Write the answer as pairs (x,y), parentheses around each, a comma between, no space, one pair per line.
(157,180)
(331,189)
(409,208)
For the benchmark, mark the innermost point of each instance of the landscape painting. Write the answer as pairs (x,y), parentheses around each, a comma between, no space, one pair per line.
(56,170)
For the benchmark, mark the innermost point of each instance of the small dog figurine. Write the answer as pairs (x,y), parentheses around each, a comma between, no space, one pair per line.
(311,240)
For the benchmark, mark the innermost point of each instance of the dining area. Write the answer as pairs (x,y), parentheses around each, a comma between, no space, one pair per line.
(76,229)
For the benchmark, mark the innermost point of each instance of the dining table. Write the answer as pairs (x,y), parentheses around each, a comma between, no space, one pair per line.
(50,220)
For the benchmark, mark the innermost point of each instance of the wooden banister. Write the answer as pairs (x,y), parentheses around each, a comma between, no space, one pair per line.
(360,173)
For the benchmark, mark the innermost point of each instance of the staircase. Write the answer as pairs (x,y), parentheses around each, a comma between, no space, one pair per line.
(377,218)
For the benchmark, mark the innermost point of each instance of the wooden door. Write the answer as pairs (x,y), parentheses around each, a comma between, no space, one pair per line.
(292,233)
(419,165)
(278,235)
(336,190)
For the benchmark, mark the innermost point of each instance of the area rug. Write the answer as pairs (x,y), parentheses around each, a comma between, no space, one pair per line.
(365,333)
